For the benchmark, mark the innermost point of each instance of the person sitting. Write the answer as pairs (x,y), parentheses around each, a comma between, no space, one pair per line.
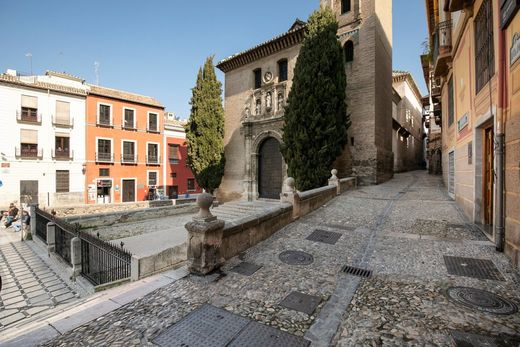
(11,215)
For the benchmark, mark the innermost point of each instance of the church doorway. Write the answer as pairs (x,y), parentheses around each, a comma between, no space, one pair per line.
(270,175)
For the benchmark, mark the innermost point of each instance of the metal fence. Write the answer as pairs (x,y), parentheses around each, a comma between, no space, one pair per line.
(42,218)
(103,262)
(64,233)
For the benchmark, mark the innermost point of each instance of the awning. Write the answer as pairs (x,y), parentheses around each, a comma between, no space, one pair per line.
(29,101)
(29,136)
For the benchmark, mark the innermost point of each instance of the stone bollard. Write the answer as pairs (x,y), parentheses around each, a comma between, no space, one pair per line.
(334,181)
(288,191)
(205,234)
(75,257)
(51,237)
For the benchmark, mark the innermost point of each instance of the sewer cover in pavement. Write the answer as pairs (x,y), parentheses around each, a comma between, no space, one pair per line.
(463,339)
(246,269)
(256,334)
(324,236)
(296,258)
(481,300)
(301,302)
(472,267)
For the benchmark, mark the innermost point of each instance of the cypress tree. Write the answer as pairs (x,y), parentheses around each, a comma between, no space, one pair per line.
(205,129)
(315,119)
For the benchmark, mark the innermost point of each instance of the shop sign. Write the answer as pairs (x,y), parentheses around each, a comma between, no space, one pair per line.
(508,10)
(515,49)
(104,184)
(5,165)
(463,122)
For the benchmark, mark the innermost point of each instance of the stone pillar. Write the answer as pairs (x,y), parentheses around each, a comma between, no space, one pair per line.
(205,234)
(290,195)
(75,257)
(32,221)
(51,237)
(334,181)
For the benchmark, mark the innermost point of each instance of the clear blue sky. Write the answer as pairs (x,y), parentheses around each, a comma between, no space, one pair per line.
(155,47)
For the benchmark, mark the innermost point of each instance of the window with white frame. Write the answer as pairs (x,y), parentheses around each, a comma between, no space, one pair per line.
(129,152)
(153,122)
(152,178)
(128,118)
(104,115)
(152,156)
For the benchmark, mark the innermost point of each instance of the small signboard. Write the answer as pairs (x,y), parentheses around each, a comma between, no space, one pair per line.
(515,49)
(463,122)
(104,183)
(6,165)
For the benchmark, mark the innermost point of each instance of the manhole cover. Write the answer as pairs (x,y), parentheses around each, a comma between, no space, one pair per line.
(324,237)
(256,334)
(463,339)
(471,267)
(245,268)
(481,300)
(301,302)
(296,258)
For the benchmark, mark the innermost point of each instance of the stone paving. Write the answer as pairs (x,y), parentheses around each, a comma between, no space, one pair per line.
(401,230)
(29,285)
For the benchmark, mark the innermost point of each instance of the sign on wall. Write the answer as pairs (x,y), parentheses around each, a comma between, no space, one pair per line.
(508,9)
(515,49)
(462,122)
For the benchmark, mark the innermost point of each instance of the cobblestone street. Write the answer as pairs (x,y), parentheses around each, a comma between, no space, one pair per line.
(407,231)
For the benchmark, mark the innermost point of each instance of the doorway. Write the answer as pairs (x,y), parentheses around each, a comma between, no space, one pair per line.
(488,174)
(128,191)
(29,188)
(270,164)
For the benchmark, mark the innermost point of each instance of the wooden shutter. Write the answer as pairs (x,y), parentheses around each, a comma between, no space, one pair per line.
(29,136)
(29,101)
(62,181)
(62,112)
(174,152)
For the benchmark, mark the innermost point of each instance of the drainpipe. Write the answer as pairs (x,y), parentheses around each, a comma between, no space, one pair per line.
(499,146)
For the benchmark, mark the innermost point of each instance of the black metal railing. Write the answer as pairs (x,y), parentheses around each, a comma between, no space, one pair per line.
(102,157)
(64,233)
(28,153)
(42,218)
(103,262)
(63,154)
(152,159)
(128,158)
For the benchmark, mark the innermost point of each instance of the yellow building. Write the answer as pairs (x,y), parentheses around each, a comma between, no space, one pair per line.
(474,59)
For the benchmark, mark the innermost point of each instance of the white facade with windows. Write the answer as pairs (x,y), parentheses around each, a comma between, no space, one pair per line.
(42,151)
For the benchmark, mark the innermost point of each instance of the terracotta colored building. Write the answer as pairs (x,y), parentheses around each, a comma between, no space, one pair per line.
(179,181)
(124,146)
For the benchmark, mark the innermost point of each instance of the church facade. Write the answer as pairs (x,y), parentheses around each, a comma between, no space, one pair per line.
(257,84)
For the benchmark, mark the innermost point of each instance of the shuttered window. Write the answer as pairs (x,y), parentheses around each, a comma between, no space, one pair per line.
(129,122)
(29,101)
(62,112)
(451,103)
(152,122)
(104,115)
(174,153)
(152,178)
(29,136)
(62,181)
(451,173)
(484,50)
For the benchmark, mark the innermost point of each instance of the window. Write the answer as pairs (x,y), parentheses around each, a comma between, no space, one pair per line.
(174,153)
(451,106)
(282,70)
(484,51)
(61,147)
(152,122)
(104,153)
(104,115)
(345,6)
(62,113)
(28,144)
(349,51)
(104,172)
(191,184)
(29,111)
(128,155)
(258,78)
(152,178)
(129,119)
(173,175)
(152,153)
(62,181)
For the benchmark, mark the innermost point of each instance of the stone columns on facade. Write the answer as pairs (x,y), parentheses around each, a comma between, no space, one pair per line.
(205,234)
(51,237)
(75,257)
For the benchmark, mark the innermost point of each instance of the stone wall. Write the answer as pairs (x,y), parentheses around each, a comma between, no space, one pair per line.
(142,267)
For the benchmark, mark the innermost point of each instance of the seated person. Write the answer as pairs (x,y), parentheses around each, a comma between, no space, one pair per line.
(11,215)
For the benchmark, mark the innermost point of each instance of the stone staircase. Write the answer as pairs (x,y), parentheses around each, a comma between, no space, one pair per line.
(235,210)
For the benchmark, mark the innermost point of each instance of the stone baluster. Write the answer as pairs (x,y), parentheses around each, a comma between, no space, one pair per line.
(334,181)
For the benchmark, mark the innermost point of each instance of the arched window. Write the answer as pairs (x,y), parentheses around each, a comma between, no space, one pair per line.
(349,51)
(345,6)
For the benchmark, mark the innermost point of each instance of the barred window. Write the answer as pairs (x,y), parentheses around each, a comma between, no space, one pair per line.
(451,106)
(62,181)
(484,50)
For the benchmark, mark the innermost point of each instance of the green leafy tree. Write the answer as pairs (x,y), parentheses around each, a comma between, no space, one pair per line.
(205,129)
(316,120)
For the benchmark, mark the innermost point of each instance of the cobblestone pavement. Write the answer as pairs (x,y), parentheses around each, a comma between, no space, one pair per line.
(29,285)
(401,230)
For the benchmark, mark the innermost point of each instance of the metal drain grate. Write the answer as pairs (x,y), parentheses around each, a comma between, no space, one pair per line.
(481,300)
(301,302)
(324,236)
(471,267)
(356,271)
(246,269)
(256,334)
(463,339)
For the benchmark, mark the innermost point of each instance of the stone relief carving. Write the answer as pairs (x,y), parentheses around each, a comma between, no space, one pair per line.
(258,107)
(268,76)
(280,100)
(268,100)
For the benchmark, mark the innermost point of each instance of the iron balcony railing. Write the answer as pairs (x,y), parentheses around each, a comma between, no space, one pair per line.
(104,122)
(66,123)
(62,154)
(28,117)
(153,159)
(129,158)
(102,157)
(442,39)
(152,129)
(129,125)
(28,153)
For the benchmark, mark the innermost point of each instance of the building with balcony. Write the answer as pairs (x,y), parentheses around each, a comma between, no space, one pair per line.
(42,152)
(179,180)
(475,64)
(257,84)
(124,146)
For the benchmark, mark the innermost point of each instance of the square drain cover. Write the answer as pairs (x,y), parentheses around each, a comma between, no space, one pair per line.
(472,267)
(301,302)
(462,339)
(206,326)
(245,268)
(324,236)
(256,334)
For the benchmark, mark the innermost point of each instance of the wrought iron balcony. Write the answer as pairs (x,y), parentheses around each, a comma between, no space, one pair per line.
(153,160)
(153,129)
(104,157)
(442,45)
(29,153)
(63,123)
(129,158)
(129,126)
(62,154)
(29,117)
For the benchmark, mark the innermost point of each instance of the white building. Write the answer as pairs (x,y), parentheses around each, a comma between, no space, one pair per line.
(42,151)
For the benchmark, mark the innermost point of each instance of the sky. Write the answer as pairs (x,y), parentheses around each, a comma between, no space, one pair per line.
(155,47)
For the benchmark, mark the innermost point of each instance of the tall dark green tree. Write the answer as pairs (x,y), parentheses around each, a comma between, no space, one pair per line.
(205,129)
(316,121)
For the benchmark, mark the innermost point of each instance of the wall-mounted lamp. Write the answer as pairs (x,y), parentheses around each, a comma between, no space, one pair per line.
(84,168)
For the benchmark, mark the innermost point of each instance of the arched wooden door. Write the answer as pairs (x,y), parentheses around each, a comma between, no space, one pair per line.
(270,176)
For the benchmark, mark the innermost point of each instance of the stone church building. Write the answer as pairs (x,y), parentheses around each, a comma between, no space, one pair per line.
(257,84)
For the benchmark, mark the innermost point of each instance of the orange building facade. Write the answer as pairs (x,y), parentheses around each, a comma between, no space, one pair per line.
(124,147)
